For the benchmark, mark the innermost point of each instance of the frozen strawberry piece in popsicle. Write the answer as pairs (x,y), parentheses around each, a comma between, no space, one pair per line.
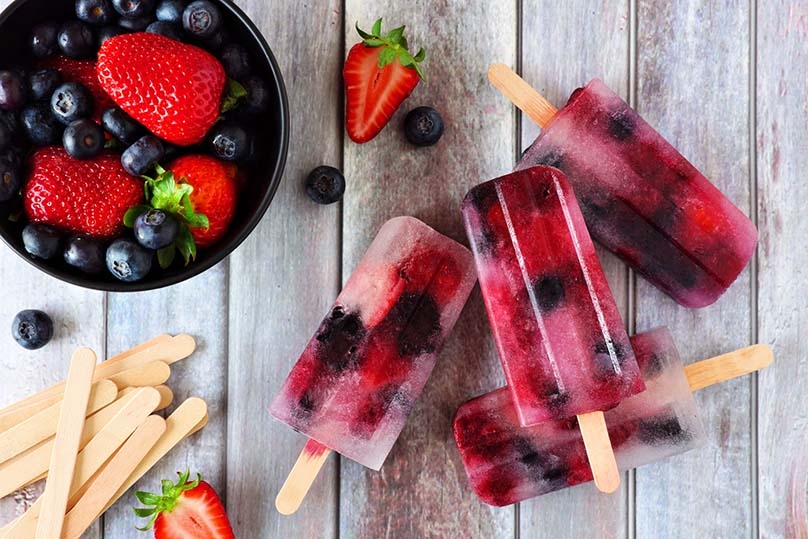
(362,372)
(642,200)
(558,331)
(507,463)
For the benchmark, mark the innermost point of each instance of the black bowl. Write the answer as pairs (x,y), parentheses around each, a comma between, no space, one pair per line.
(264,175)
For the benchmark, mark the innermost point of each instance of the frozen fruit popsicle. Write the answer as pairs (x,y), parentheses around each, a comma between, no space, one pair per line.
(360,375)
(562,343)
(640,198)
(507,463)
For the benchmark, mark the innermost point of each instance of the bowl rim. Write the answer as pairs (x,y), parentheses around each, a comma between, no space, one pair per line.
(224,249)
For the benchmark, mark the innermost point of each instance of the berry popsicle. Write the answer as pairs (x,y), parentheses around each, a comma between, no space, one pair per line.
(640,198)
(560,337)
(360,375)
(507,463)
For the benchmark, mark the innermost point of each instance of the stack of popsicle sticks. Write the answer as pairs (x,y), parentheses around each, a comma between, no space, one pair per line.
(93,436)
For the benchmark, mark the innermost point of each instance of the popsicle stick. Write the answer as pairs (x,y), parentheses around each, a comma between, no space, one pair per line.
(150,374)
(521,94)
(187,419)
(66,444)
(166,395)
(103,487)
(43,425)
(727,366)
(93,457)
(301,477)
(599,451)
(51,393)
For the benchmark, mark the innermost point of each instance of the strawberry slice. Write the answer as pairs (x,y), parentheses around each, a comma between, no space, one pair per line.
(380,73)
(185,510)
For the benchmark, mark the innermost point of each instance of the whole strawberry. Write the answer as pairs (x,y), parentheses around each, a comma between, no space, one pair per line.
(89,197)
(172,88)
(185,510)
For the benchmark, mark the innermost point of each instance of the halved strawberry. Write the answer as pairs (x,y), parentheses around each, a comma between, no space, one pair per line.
(380,73)
(185,510)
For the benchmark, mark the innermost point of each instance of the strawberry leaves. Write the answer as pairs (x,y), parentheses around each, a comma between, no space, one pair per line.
(395,47)
(234,94)
(167,194)
(165,502)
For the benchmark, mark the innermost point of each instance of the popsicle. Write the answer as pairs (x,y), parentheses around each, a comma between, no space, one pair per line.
(639,196)
(507,463)
(361,373)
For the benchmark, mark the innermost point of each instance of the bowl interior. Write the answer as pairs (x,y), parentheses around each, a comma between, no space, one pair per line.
(263,175)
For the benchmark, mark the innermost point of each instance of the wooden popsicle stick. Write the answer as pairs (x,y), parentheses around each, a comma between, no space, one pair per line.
(32,465)
(522,94)
(169,351)
(727,366)
(43,425)
(55,391)
(104,486)
(188,418)
(166,395)
(599,451)
(92,458)
(66,444)
(300,479)
(150,374)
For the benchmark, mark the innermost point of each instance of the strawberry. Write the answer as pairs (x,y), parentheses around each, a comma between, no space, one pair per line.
(84,72)
(185,510)
(89,197)
(380,73)
(173,89)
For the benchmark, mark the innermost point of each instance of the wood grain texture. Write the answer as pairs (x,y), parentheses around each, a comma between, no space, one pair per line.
(782,117)
(422,489)
(564,45)
(693,86)
(198,307)
(284,278)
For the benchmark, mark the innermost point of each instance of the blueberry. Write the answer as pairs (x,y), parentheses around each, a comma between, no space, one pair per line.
(550,467)
(156,229)
(108,32)
(661,430)
(76,39)
(10,122)
(42,83)
(325,185)
(121,126)
(128,261)
(41,240)
(84,253)
(621,124)
(141,156)
(415,320)
(10,180)
(423,126)
(171,10)
(40,125)
(7,130)
(95,11)
(13,91)
(135,24)
(236,61)
(605,358)
(229,142)
(83,139)
(134,9)
(551,158)
(339,338)
(166,29)
(215,42)
(44,39)
(71,101)
(201,19)
(258,96)
(549,290)
(32,329)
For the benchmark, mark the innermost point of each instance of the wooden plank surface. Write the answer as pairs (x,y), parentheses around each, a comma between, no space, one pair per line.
(693,86)
(422,490)
(284,279)
(552,34)
(782,116)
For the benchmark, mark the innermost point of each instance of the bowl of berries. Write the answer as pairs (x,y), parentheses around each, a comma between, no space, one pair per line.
(141,141)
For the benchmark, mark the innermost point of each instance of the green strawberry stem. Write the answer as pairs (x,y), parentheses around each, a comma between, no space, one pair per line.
(165,502)
(234,94)
(395,47)
(164,193)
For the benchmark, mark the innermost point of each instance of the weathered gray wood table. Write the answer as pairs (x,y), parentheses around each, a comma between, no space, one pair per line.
(724,81)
